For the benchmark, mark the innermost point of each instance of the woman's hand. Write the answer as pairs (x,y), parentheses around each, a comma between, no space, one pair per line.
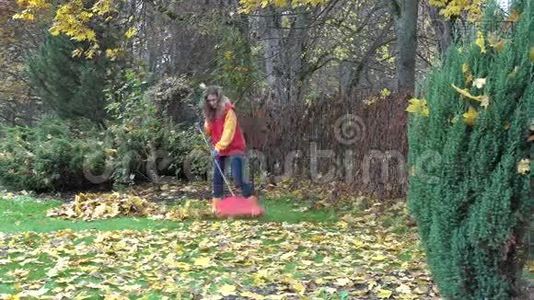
(214,153)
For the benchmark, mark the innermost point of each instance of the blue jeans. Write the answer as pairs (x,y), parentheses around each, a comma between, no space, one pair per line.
(236,164)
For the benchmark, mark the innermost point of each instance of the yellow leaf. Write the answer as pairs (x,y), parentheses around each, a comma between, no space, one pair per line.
(385,92)
(483,99)
(480,42)
(130,33)
(202,261)
(531,54)
(77,52)
(298,286)
(384,294)
(470,116)
(523,167)
(227,290)
(418,106)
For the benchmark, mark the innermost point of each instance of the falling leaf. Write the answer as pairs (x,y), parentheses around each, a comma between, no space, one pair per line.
(470,116)
(227,290)
(523,167)
(418,106)
(479,83)
(480,42)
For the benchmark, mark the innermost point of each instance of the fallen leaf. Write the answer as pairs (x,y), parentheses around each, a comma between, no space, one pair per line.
(227,290)
(202,261)
(384,294)
(343,281)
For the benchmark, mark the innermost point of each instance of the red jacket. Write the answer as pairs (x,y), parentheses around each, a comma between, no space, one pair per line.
(225,132)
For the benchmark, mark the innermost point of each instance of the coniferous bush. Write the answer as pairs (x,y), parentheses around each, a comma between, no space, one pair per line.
(469,186)
(54,155)
(71,87)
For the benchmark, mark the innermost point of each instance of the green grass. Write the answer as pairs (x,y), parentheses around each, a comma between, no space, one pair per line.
(288,210)
(29,214)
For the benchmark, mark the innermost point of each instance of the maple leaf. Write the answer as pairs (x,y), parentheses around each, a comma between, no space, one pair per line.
(418,106)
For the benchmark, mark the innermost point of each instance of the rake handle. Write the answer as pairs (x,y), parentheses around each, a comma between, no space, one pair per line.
(215,159)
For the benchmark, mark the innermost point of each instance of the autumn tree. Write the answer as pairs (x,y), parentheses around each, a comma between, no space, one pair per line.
(18,106)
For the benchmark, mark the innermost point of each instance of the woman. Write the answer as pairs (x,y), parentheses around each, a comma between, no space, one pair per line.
(228,141)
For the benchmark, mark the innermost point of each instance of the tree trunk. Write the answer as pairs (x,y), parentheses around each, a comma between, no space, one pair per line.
(406,12)
(442,29)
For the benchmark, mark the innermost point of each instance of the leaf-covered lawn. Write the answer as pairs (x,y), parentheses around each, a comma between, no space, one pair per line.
(367,254)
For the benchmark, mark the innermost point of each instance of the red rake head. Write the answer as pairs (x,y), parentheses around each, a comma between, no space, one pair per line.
(236,206)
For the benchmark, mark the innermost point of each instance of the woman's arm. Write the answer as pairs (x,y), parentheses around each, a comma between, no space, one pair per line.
(230,123)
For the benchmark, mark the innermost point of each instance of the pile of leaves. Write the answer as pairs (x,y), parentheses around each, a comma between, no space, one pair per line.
(92,206)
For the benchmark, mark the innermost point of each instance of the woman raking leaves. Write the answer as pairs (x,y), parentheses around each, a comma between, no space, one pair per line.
(229,147)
